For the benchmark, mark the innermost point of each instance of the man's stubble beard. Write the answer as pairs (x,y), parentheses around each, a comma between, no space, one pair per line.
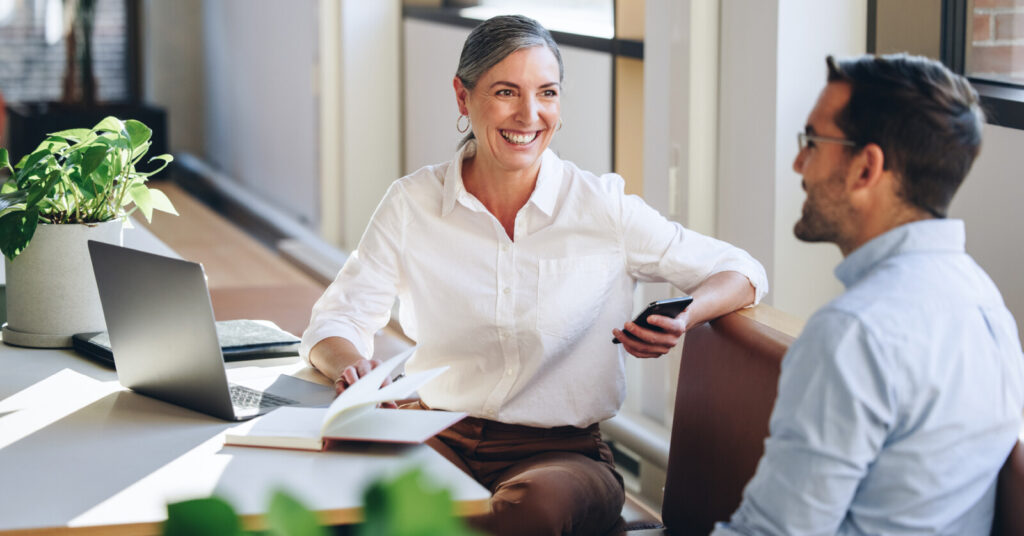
(820,218)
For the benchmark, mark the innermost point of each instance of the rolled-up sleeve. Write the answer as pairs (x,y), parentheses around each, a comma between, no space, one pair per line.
(358,302)
(661,250)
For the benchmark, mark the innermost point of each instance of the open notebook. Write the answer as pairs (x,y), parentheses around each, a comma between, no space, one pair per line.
(353,416)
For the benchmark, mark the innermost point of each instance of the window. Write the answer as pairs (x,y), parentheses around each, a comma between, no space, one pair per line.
(982,39)
(583,17)
(33,57)
(994,48)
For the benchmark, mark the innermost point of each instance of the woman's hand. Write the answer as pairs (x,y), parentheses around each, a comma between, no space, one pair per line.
(353,372)
(338,359)
(719,294)
(644,343)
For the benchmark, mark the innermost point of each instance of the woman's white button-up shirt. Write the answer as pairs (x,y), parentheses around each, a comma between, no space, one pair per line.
(525,323)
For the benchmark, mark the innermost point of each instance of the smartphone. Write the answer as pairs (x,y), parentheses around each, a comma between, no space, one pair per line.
(670,308)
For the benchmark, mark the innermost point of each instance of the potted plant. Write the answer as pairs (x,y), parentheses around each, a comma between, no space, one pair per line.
(77,185)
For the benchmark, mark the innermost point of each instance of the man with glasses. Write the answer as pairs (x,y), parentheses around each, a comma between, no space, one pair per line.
(901,399)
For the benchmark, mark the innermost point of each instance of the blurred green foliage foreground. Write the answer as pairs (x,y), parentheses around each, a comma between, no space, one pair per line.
(403,506)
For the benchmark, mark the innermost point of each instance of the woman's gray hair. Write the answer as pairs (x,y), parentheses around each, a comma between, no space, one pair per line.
(493,40)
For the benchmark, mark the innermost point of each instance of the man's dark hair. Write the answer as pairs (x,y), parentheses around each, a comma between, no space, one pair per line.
(926,119)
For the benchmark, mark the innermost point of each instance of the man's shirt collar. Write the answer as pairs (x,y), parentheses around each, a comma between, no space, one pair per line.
(919,236)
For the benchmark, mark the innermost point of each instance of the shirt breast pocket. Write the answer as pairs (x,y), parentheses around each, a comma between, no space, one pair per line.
(571,292)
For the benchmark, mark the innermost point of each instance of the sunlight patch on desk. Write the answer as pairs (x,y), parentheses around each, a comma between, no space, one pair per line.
(192,475)
(114,447)
(47,401)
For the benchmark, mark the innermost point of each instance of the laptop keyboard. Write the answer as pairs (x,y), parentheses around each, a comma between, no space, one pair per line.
(245,397)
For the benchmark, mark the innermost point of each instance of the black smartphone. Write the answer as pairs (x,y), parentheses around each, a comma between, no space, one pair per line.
(670,308)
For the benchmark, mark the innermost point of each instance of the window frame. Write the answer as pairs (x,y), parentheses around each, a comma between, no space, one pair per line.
(1003,102)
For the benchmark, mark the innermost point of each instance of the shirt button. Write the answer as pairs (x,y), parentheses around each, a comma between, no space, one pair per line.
(507,290)
(509,372)
(504,247)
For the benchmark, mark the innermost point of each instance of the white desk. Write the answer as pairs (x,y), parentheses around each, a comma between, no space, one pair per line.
(78,453)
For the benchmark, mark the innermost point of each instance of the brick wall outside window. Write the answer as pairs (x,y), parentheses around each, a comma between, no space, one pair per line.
(32,70)
(997,40)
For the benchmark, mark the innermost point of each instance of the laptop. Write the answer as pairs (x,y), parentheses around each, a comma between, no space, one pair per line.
(164,337)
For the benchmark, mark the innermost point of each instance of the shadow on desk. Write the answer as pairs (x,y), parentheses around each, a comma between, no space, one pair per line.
(45,479)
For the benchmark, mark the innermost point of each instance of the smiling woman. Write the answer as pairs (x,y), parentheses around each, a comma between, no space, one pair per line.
(514,111)
(514,268)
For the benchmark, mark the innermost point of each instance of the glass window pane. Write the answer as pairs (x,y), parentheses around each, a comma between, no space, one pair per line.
(995,40)
(585,17)
(33,56)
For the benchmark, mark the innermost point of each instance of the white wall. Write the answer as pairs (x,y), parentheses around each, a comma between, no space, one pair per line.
(172,48)
(772,69)
(431,58)
(747,117)
(431,55)
(586,135)
(370,96)
(260,102)
(989,202)
(808,30)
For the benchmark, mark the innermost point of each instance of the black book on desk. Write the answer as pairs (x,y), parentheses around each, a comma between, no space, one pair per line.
(239,340)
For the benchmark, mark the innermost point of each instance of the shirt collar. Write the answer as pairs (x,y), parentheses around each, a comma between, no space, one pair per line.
(933,235)
(545,192)
(549,181)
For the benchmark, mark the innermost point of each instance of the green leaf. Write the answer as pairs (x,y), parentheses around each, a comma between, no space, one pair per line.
(161,202)
(143,199)
(5,160)
(30,161)
(12,201)
(103,177)
(75,177)
(16,230)
(165,158)
(85,189)
(139,152)
(92,159)
(43,188)
(202,517)
(138,133)
(52,144)
(73,134)
(116,162)
(110,124)
(287,517)
(407,506)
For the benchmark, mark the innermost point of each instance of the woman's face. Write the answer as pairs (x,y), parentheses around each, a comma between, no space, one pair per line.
(514,108)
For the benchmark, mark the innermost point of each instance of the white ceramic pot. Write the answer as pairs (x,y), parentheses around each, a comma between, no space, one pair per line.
(51,290)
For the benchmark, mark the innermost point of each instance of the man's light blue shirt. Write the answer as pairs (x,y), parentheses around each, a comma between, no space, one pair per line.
(899,401)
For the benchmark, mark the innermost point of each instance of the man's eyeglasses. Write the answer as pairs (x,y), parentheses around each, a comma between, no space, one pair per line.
(803,140)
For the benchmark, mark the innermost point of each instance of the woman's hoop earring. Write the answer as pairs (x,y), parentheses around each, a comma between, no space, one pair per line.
(458,124)
(559,127)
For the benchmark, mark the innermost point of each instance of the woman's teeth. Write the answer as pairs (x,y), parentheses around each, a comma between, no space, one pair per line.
(518,139)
